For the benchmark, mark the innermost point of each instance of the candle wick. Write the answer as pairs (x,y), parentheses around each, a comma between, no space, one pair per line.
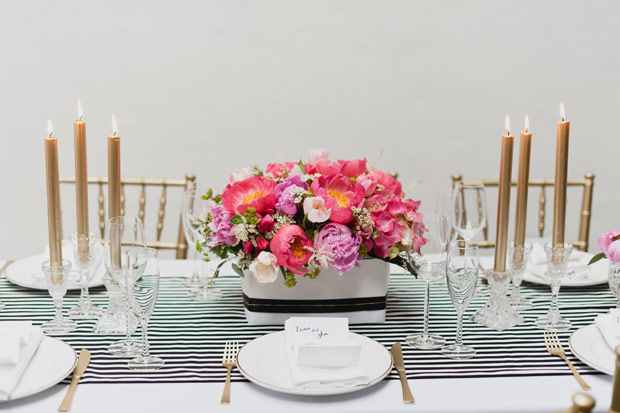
(115,133)
(80,119)
(51,134)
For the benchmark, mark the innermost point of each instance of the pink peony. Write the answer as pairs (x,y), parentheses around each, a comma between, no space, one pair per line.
(341,245)
(353,168)
(610,248)
(285,194)
(390,186)
(221,227)
(328,167)
(257,192)
(318,155)
(277,169)
(292,247)
(339,194)
(368,183)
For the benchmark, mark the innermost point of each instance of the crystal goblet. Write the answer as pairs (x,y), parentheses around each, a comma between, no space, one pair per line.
(86,257)
(557,261)
(56,279)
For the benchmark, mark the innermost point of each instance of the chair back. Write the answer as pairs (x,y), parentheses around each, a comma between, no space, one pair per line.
(585,214)
(180,245)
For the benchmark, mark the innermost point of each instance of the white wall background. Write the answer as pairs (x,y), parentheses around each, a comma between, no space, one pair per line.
(211,86)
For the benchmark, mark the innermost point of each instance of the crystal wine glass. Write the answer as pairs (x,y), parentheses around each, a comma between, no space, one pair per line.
(124,235)
(461,275)
(56,278)
(194,211)
(468,209)
(614,280)
(142,295)
(86,257)
(431,264)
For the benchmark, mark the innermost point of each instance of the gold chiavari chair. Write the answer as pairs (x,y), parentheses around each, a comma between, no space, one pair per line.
(180,246)
(584,217)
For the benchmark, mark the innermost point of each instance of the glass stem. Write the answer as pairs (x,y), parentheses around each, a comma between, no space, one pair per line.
(515,294)
(426,307)
(459,329)
(127,315)
(84,299)
(145,338)
(554,311)
(58,309)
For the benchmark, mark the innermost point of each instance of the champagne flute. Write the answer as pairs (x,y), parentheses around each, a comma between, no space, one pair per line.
(124,236)
(142,295)
(468,209)
(194,211)
(462,275)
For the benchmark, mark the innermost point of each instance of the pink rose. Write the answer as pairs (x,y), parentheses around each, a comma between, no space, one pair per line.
(610,248)
(240,175)
(264,268)
(318,155)
(315,209)
(292,247)
(266,224)
(341,244)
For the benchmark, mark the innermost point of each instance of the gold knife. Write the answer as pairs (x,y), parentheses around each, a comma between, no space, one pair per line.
(82,363)
(399,364)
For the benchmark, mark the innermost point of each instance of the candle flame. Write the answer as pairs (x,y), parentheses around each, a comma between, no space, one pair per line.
(562,115)
(80,111)
(50,128)
(114,126)
(507,125)
(527,123)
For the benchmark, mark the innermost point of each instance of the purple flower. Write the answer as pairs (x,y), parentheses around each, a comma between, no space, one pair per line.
(285,194)
(221,227)
(340,244)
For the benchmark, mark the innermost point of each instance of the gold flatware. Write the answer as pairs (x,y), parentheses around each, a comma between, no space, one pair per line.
(554,347)
(229,360)
(82,363)
(6,265)
(399,364)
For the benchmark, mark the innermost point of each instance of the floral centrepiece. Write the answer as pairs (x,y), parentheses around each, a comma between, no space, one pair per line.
(301,217)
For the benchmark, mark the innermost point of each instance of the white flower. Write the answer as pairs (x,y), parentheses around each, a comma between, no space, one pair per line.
(240,175)
(265,267)
(317,155)
(315,209)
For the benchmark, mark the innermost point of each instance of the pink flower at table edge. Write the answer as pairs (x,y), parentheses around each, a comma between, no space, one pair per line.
(264,268)
(341,245)
(339,194)
(611,249)
(292,247)
(257,192)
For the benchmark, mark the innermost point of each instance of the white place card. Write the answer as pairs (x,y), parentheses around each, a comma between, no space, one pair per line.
(324,342)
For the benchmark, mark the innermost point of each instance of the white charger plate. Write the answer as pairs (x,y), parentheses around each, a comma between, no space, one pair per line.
(579,274)
(263,362)
(588,344)
(28,273)
(51,363)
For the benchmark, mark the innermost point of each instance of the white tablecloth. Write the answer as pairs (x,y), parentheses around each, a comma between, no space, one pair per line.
(524,394)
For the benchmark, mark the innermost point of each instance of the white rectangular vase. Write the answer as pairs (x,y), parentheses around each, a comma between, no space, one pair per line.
(359,295)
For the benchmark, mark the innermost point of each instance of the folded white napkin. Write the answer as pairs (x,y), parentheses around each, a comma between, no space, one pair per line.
(11,368)
(609,327)
(321,355)
(539,257)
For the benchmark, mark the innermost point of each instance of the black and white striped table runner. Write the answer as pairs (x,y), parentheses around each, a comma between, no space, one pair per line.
(190,336)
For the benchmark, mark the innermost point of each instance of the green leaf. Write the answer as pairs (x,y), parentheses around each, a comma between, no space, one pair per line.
(237,269)
(236,219)
(393,252)
(597,258)
(302,167)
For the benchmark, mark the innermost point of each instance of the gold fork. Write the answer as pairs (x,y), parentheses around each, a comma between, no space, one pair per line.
(554,347)
(229,360)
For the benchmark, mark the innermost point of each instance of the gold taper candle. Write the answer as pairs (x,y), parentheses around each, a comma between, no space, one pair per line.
(503,200)
(561,176)
(114,172)
(523,177)
(53,196)
(81,174)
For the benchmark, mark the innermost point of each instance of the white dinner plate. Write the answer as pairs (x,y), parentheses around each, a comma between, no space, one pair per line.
(263,362)
(589,346)
(28,273)
(578,273)
(53,361)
